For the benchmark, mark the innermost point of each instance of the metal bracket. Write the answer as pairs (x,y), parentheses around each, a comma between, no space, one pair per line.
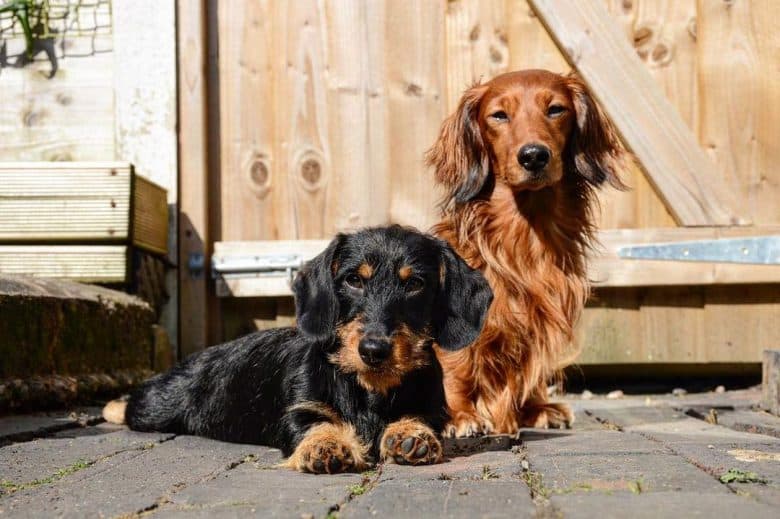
(763,250)
(271,265)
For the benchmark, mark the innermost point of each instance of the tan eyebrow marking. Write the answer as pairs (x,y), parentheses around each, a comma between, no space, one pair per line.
(365,270)
(405,272)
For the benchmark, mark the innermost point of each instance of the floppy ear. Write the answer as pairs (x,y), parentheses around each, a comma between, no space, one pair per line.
(598,154)
(316,306)
(458,157)
(462,303)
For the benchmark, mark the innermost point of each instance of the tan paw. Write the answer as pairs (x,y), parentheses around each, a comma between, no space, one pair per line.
(465,425)
(329,449)
(547,416)
(410,442)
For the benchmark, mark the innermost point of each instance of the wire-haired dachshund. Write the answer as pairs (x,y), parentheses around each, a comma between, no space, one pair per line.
(356,379)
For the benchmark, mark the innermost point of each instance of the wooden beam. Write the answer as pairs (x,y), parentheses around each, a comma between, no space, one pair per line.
(606,269)
(193,175)
(682,174)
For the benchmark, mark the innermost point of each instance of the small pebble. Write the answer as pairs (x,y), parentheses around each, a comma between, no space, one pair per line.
(587,395)
(614,395)
(678,391)
(710,446)
(524,465)
(720,389)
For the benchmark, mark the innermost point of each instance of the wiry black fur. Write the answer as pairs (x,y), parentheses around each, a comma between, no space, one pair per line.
(242,391)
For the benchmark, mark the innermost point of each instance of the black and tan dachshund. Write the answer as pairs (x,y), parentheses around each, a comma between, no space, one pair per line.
(356,381)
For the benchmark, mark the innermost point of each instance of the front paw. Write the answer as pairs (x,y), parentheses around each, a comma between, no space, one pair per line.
(410,442)
(466,425)
(329,449)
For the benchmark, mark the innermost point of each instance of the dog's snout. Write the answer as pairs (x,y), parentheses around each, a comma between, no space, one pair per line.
(374,351)
(533,157)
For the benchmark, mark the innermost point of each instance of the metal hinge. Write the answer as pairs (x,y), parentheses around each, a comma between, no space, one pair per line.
(269,265)
(764,250)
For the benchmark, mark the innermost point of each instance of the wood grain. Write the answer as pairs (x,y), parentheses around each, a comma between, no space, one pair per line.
(194,237)
(738,49)
(416,89)
(678,169)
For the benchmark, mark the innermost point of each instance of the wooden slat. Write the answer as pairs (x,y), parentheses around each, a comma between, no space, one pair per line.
(357,194)
(683,175)
(416,86)
(305,166)
(193,174)
(477,44)
(738,75)
(252,187)
(606,269)
(87,263)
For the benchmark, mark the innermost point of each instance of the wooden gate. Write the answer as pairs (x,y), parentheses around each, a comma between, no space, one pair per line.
(302,118)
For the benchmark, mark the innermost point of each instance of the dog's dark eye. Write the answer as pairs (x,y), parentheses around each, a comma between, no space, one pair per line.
(414,285)
(354,281)
(500,116)
(555,110)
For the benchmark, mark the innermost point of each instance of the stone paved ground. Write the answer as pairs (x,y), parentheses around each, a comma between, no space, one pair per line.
(658,456)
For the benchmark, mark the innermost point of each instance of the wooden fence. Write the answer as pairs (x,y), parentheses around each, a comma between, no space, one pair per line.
(319,114)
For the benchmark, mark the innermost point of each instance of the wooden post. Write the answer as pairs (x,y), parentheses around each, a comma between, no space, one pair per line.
(194,249)
(771,381)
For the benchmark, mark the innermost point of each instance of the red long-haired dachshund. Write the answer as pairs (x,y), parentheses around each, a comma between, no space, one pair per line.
(520,160)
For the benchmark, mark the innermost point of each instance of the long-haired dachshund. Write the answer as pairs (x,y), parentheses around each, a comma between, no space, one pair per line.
(520,159)
(358,376)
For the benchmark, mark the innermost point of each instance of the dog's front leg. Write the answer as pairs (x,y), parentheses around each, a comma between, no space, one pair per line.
(409,441)
(329,448)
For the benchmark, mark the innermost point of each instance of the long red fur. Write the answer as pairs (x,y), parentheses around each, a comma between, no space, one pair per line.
(532,248)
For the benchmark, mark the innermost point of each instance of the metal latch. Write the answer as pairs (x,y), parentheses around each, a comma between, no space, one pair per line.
(764,250)
(267,265)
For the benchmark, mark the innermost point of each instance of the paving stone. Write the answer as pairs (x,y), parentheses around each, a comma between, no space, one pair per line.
(276,492)
(132,480)
(622,472)
(479,466)
(23,427)
(660,504)
(758,422)
(468,499)
(51,455)
(599,443)
(691,429)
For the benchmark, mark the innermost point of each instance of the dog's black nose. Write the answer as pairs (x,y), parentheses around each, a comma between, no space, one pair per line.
(533,157)
(374,351)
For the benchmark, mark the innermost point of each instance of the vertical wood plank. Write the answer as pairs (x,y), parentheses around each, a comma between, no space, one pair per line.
(193,174)
(302,118)
(249,179)
(416,88)
(739,45)
(477,44)
(357,194)
(530,46)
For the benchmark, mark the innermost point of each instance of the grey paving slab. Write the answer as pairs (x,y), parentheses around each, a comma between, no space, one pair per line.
(131,481)
(758,422)
(659,505)
(443,498)
(274,492)
(622,472)
(22,463)
(573,442)
(32,425)
(479,466)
